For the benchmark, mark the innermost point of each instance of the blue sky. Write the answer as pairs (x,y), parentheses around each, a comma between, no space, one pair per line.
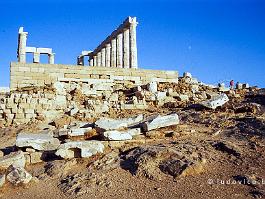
(214,40)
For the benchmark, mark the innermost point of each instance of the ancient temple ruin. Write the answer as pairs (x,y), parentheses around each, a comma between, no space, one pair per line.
(118,50)
(23,49)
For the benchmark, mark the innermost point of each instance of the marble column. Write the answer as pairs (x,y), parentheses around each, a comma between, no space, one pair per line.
(126,48)
(36,57)
(133,45)
(22,46)
(51,58)
(95,60)
(108,55)
(119,51)
(99,59)
(113,60)
(91,62)
(103,57)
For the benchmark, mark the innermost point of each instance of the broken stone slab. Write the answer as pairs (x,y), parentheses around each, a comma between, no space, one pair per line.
(161,121)
(216,101)
(79,131)
(82,149)
(18,175)
(42,142)
(14,158)
(121,135)
(114,124)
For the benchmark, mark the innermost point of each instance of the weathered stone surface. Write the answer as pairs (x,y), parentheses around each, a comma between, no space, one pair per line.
(79,131)
(88,148)
(183,97)
(18,175)
(2,180)
(152,87)
(113,124)
(36,157)
(216,101)
(15,158)
(37,141)
(161,121)
(121,135)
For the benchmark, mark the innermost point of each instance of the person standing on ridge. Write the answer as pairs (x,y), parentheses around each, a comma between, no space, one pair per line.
(232,84)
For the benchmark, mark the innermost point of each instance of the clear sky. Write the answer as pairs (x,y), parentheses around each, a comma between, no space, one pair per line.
(214,40)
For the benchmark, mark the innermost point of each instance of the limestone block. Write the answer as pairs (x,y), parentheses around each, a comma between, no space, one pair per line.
(216,101)
(36,157)
(117,135)
(37,141)
(79,131)
(29,111)
(161,121)
(183,97)
(152,87)
(14,158)
(88,149)
(103,87)
(114,97)
(60,100)
(59,88)
(20,115)
(113,124)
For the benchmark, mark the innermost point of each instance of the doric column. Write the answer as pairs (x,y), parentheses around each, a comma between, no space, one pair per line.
(36,57)
(119,51)
(108,55)
(113,59)
(22,42)
(95,60)
(133,45)
(126,48)
(51,58)
(99,59)
(103,57)
(91,62)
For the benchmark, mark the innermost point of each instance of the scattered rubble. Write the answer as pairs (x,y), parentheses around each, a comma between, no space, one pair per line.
(18,175)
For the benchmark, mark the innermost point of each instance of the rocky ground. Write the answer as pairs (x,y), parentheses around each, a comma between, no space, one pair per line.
(210,154)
